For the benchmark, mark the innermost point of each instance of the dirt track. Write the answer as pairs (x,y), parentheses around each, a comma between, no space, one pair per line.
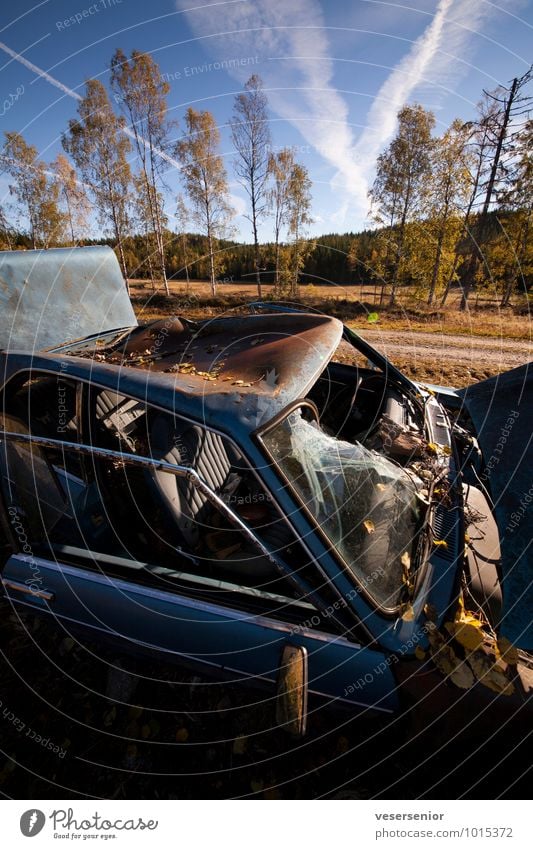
(449,359)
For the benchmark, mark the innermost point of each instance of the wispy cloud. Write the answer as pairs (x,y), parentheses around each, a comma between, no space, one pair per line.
(291,42)
(301,86)
(434,61)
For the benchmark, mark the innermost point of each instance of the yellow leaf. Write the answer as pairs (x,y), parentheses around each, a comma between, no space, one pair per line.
(408,613)
(369,526)
(440,543)
(420,653)
(448,663)
(468,635)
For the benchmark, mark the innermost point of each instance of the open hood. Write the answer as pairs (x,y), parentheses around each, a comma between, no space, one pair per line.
(501,410)
(50,297)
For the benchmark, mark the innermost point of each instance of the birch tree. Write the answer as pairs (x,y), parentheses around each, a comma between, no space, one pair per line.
(280,168)
(251,137)
(205,180)
(141,92)
(73,198)
(400,177)
(35,191)
(98,146)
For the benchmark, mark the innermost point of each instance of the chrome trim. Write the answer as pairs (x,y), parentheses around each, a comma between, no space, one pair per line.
(151,464)
(27,589)
(185,601)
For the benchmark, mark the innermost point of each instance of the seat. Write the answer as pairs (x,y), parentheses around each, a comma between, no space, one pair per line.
(199,449)
(218,464)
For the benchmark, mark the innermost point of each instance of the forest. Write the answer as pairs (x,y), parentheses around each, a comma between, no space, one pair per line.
(449,213)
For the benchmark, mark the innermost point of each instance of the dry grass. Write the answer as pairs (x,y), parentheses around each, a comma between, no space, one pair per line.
(353,305)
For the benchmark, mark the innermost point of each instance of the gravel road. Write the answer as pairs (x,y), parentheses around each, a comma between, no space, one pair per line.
(453,360)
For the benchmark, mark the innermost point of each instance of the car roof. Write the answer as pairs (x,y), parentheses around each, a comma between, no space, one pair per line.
(227,372)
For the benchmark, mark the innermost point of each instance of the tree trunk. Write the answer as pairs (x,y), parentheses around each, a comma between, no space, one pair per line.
(436,268)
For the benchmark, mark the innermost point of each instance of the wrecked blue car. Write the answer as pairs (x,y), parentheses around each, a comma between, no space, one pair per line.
(264,494)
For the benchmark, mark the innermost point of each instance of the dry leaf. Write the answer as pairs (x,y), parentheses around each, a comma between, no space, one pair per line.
(420,653)
(468,635)
(489,674)
(507,651)
(408,613)
(369,526)
(182,735)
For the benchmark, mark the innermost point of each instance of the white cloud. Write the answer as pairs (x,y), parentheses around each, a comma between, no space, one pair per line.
(292,43)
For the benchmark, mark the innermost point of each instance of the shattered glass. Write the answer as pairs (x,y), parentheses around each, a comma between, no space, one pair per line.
(364,503)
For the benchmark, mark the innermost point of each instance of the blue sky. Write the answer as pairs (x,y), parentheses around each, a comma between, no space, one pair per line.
(336,72)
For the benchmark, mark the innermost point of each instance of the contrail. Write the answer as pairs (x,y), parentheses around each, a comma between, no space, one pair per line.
(71,93)
(39,71)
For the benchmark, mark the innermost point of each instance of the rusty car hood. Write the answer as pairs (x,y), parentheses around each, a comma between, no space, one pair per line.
(501,411)
(50,297)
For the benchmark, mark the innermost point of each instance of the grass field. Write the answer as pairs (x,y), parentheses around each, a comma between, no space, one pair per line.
(354,303)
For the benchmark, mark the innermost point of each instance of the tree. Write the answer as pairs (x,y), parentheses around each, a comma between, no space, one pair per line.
(36,193)
(141,92)
(445,195)
(182,217)
(509,104)
(72,195)
(515,245)
(401,173)
(298,206)
(251,136)
(205,180)
(280,168)
(97,144)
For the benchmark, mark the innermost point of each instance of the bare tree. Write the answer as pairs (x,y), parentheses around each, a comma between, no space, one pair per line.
(510,103)
(251,136)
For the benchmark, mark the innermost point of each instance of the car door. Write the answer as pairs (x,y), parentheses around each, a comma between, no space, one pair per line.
(88,514)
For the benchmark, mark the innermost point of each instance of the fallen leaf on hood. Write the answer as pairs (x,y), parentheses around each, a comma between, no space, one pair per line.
(447,662)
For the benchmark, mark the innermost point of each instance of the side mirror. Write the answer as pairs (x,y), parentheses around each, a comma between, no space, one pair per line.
(291,694)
